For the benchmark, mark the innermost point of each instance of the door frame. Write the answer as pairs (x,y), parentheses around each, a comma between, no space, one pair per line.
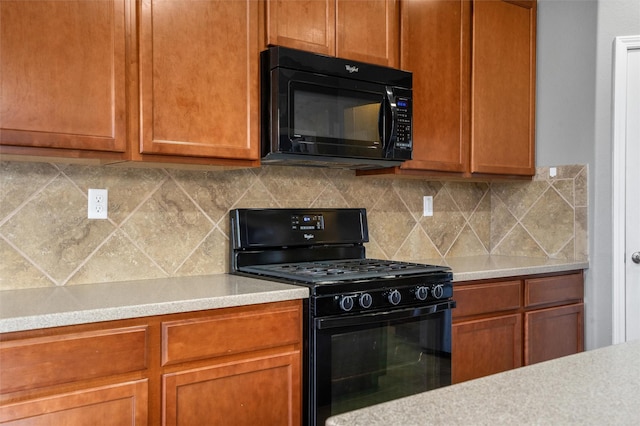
(622,46)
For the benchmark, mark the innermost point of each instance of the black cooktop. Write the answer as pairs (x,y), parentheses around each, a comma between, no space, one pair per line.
(319,272)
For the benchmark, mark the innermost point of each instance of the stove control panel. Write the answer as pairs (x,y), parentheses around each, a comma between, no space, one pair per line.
(380,298)
(307,222)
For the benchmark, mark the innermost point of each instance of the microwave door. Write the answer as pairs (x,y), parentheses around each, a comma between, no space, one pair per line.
(334,117)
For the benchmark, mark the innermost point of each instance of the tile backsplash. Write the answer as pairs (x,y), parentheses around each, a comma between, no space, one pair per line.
(166,222)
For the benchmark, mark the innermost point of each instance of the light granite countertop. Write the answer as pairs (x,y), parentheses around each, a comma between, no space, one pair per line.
(598,387)
(488,267)
(29,309)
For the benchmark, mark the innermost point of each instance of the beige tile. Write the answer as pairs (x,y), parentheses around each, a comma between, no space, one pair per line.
(168,226)
(581,188)
(565,187)
(569,171)
(293,186)
(467,244)
(128,187)
(211,257)
(359,192)
(581,234)
(445,224)
(373,250)
(412,191)
(118,259)
(480,221)
(390,222)
(19,181)
(566,252)
(53,231)
(550,221)
(417,246)
(467,196)
(330,197)
(502,221)
(215,191)
(17,272)
(519,196)
(518,243)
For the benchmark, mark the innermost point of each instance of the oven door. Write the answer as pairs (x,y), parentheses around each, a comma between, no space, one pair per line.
(367,359)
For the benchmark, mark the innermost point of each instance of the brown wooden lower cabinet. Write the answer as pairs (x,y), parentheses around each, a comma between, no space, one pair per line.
(247,392)
(486,346)
(553,332)
(239,366)
(503,324)
(118,404)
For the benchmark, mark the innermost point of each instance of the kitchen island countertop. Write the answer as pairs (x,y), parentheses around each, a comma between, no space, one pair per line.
(598,387)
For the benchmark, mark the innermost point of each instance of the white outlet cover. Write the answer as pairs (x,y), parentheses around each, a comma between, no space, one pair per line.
(427,202)
(97,207)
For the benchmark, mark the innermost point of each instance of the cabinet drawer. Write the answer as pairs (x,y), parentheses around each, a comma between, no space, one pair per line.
(230,333)
(46,361)
(562,288)
(479,299)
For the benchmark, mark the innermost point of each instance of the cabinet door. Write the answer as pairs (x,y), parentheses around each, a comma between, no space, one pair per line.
(259,390)
(487,346)
(117,405)
(63,75)
(503,74)
(436,48)
(302,24)
(552,333)
(199,78)
(367,31)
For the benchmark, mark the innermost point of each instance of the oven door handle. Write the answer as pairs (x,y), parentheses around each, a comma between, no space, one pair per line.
(373,317)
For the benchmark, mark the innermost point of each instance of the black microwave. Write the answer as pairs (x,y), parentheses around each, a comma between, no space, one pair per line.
(324,111)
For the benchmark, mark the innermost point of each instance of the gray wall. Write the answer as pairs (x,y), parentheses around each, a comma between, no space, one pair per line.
(575,54)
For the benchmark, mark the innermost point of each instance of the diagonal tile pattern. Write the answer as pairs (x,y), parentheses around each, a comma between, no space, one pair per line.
(169,222)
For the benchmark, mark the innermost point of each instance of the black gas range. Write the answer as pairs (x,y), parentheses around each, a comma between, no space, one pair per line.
(361,312)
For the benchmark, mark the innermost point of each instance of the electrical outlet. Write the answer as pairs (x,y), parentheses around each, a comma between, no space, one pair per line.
(98,202)
(427,205)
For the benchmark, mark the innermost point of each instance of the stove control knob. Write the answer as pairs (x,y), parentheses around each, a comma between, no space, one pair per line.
(346,303)
(365,300)
(437,291)
(422,292)
(394,297)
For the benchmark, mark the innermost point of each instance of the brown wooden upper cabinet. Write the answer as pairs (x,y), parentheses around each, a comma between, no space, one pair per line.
(366,31)
(62,78)
(473,64)
(116,80)
(199,89)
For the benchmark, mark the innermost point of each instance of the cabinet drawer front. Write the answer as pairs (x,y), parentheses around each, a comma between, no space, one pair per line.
(563,288)
(231,333)
(486,298)
(46,361)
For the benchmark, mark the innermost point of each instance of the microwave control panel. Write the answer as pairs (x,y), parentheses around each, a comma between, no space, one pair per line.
(403,123)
